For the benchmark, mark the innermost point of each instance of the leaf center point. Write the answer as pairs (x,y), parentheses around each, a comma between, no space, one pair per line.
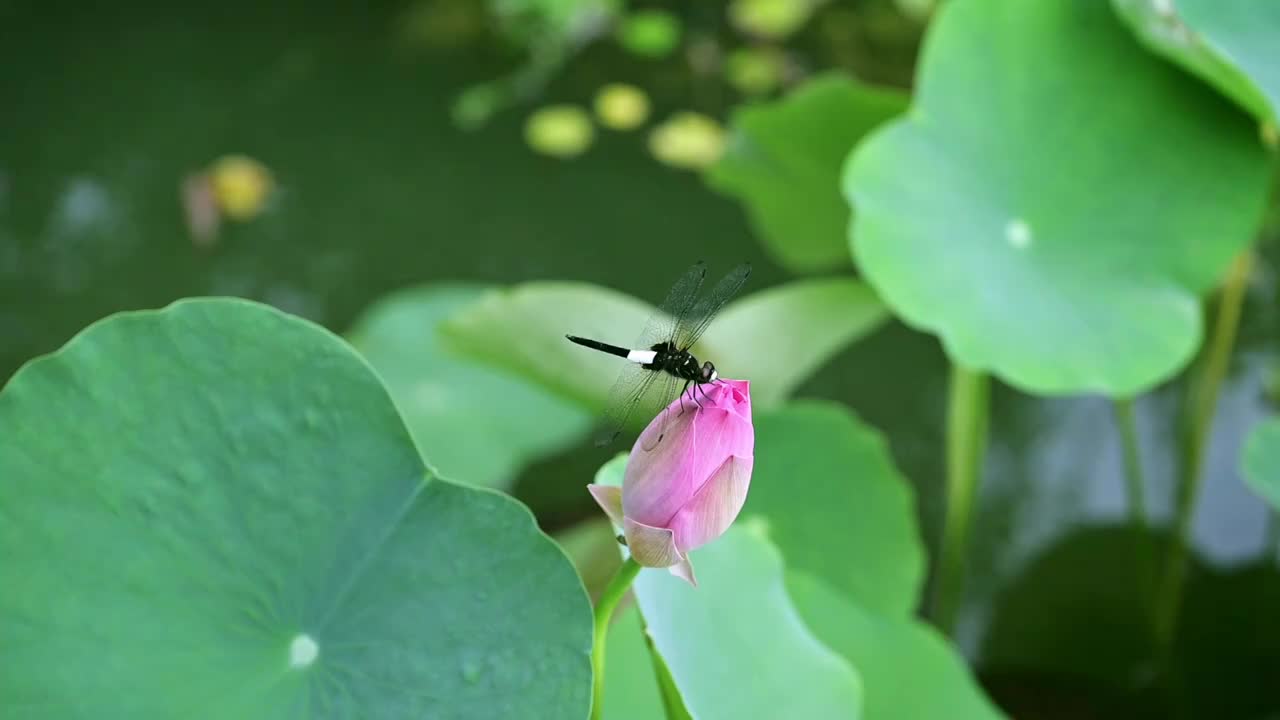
(303,651)
(1018,233)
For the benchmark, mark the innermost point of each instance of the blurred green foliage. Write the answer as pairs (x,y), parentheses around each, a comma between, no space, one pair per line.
(1054,191)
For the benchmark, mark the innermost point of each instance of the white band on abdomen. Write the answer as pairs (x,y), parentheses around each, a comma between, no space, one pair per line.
(644,357)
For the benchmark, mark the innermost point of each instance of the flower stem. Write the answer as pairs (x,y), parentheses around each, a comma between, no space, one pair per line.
(966,448)
(1202,400)
(1135,485)
(605,606)
(1134,482)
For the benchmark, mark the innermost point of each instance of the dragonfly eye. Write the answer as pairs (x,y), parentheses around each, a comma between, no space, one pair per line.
(708,372)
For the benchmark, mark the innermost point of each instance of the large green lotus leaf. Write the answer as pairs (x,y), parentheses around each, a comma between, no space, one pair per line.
(836,506)
(1230,43)
(909,671)
(736,646)
(522,329)
(783,162)
(472,422)
(1261,461)
(214,510)
(1057,200)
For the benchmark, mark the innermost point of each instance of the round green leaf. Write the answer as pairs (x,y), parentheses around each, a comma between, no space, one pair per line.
(836,506)
(783,162)
(735,645)
(1057,199)
(522,329)
(756,70)
(1229,43)
(649,33)
(1261,461)
(472,422)
(770,19)
(909,671)
(215,509)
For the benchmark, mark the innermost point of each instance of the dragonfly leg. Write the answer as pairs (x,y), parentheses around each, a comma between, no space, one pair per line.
(704,392)
(683,390)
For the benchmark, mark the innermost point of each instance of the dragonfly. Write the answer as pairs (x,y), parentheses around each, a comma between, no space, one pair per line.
(660,358)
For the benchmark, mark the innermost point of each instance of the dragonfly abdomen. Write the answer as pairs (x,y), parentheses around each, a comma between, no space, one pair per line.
(597,345)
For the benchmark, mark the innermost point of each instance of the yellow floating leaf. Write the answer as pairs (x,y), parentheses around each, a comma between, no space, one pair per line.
(559,130)
(622,107)
(241,186)
(770,18)
(688,140)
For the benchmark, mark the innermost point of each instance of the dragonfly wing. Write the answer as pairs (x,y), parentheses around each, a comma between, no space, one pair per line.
(656,406)
(631,383)
(637,399)
(640,393)
(665,323)
(699,319)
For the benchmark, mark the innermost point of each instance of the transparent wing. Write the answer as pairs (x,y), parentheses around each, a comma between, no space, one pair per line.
(661,412)
(675,308)
(699,319)
(679,303)
(639,393)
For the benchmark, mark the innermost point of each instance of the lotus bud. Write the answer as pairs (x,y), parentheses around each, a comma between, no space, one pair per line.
(686,478)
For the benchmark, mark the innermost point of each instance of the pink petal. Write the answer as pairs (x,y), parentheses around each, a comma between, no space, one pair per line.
(659,482)
(609,498)
(710,512)
(684,570)
(739,401)
(651,546)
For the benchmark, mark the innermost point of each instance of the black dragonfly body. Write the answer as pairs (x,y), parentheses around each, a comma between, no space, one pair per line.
(661,358)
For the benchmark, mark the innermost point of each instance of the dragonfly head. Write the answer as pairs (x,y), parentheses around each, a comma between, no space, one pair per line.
(709,373)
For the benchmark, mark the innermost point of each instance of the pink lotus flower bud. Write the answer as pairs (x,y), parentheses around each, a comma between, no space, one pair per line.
(689,487)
